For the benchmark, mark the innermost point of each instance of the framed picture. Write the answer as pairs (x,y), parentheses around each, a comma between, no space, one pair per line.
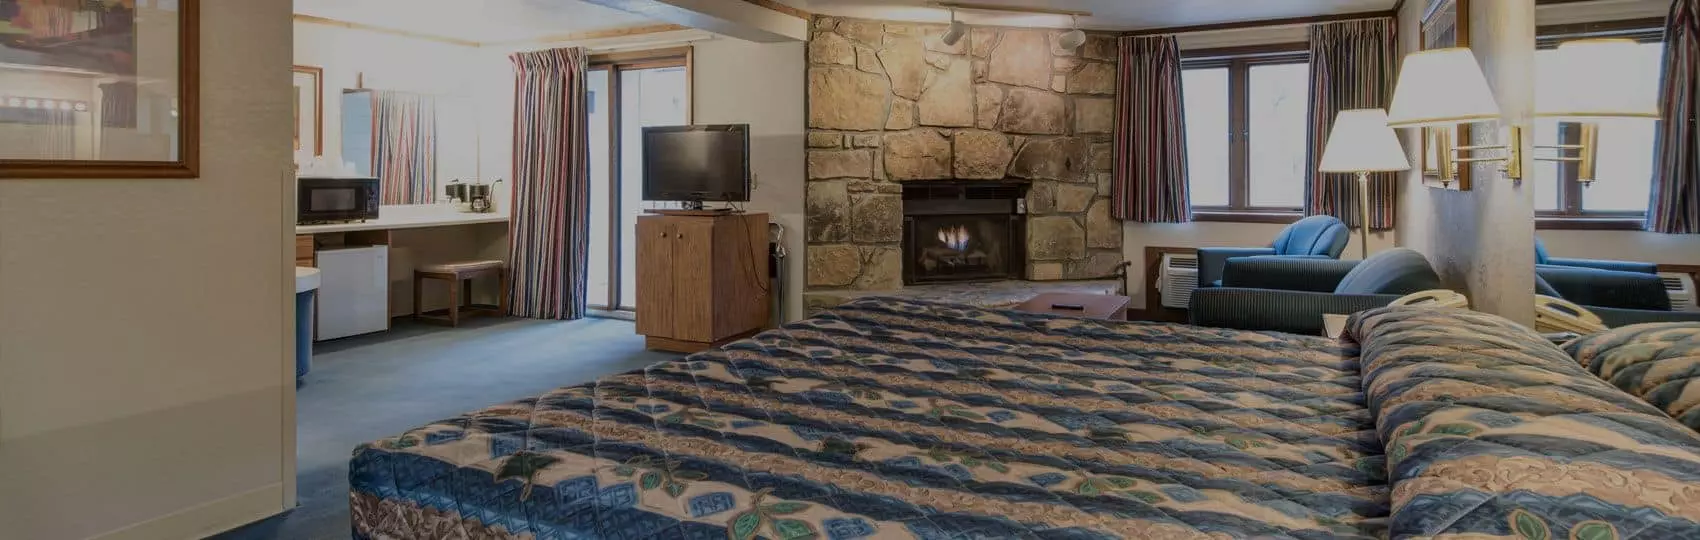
(99,88)
(1446,23)
(309,109)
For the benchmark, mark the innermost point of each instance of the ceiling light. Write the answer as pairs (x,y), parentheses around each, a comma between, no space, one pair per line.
(1072,39)
(956,31)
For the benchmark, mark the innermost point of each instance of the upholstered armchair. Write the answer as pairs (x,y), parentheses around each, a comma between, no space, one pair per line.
(1286,294)
(1618,298)
(1315,237)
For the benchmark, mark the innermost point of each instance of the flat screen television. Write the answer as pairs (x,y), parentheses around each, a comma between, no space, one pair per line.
(696,163)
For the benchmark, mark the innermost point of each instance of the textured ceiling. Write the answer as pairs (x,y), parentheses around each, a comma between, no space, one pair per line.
(477,20)
(1107,14)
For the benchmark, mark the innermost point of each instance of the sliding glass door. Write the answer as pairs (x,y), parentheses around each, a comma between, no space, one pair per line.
(628,92)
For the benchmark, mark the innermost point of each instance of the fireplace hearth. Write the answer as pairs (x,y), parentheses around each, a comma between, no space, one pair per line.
(962,231)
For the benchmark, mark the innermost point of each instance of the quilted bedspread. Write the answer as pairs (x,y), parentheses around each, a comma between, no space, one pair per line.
(1660,362)
(896,419)
(899,419)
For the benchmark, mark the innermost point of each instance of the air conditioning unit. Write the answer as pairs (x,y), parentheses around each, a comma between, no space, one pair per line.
(1683,297)
(1176,279)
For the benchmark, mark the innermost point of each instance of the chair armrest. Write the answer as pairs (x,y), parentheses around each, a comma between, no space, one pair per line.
(1316,274)
(1297,312)
(1615,317)
(1606,288)
(1211,261)
(1603,264)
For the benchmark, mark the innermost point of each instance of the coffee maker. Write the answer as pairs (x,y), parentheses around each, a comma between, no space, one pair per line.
(473,198)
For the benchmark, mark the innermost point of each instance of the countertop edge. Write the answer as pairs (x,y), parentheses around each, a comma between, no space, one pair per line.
(379,225)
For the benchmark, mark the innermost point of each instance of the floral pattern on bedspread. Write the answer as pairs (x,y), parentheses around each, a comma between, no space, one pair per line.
(1493,432)
(888,418)
(1659,362)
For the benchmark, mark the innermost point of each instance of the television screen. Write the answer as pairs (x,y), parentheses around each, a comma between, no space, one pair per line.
(696,163)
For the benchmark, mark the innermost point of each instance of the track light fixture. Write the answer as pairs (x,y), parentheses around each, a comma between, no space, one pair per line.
(956,31)
(1072,39)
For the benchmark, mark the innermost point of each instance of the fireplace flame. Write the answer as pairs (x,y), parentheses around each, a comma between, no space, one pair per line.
(954,237)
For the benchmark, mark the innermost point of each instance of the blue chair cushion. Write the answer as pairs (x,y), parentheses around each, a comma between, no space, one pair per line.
(1315,235)
(1541,256)
(1395,271)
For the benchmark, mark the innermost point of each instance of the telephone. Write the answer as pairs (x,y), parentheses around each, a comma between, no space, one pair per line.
(1559,315)
(1434,298)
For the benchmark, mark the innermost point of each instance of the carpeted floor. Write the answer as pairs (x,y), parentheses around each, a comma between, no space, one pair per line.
(369,387)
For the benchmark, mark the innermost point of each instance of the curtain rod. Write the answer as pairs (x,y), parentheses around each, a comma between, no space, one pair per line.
(1265,23)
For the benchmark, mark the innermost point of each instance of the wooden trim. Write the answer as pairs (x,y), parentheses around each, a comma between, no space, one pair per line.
(668,57)
(595,34)
(1690,269)
(1154,310)
(1241,25)
(1239,68)
(1272,49)
(1242,216)
(188,162)
(1239,134)
(782,8)
(318,74)
(1584,223)
(1645,30)
(312,19)
(977,6)
(691,84)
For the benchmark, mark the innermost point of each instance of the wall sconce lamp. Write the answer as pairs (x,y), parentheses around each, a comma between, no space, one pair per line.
(1443,87)
(1609,85)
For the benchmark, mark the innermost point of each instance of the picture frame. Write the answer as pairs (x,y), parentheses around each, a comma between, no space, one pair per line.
(1445,23)
(103,87)
(309,86)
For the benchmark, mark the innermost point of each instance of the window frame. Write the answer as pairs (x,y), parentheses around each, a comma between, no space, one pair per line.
(1239,61)
(615,64)
(1571,214)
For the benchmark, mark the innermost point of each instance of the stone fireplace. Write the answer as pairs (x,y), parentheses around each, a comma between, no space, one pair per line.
(963,231)
(895,116)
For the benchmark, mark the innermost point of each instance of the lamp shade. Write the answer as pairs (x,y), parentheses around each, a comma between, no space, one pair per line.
(1602,78)
(1361,141)
(1440,87)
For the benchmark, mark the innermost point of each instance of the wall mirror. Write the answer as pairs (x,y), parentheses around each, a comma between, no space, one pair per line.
(412,142)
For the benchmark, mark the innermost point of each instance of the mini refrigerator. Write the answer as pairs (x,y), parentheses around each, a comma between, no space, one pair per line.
(354,291)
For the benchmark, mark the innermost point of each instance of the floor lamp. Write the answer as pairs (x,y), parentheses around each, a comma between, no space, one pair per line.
(1362,143)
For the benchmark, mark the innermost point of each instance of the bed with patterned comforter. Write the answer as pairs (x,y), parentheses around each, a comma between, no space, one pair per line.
(903,419)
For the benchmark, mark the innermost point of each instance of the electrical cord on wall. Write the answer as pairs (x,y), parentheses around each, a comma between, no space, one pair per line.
(750,262)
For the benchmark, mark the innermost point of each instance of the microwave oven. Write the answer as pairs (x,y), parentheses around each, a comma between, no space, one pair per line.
(330,200)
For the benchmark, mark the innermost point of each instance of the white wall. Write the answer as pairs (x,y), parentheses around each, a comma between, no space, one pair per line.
(1623,246)
(144,351)
(762,84)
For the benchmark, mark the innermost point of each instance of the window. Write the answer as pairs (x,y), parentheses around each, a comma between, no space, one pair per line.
(1624,169)
(1246,122)
(627,92)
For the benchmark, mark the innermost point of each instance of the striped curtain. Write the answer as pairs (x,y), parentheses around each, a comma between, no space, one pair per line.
(404,146)
(1675,203)
(1150,181)
(1352,65)
(119,103)
(550,230)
